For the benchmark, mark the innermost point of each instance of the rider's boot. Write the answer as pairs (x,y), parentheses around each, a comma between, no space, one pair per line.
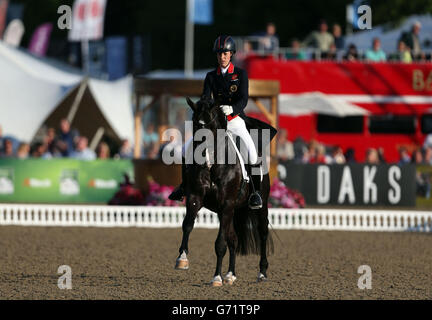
(255,201)
(179,192)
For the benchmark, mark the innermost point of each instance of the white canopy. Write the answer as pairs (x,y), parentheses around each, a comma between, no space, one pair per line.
(317,102)
(31,89)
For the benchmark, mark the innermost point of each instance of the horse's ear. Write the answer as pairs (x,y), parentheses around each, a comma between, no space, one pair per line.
(191,104)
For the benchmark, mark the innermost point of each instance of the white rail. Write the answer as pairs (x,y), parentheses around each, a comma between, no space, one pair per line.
(168,217)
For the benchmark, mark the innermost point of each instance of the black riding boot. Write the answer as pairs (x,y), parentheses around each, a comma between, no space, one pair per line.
(179,192)
(255,201)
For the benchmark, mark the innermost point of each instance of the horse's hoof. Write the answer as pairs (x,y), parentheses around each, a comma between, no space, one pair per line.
(229,278)
(217,281)
(261,278)
(182,264)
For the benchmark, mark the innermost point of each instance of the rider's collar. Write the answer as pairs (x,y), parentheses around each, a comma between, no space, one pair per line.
(230,69)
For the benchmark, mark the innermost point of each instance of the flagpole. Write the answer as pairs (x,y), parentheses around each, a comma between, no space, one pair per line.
(189,39)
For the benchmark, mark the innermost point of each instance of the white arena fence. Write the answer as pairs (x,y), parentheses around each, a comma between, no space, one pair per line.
(172,217)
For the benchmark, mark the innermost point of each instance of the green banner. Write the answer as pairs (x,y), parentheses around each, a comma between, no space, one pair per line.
(61,180)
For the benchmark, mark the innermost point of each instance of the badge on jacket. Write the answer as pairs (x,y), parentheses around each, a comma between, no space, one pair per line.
(233,88)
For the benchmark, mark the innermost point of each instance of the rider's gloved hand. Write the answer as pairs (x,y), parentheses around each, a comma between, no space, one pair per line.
(227,109)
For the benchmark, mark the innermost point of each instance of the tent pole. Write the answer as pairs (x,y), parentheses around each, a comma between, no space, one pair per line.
(97,138)
(78,98)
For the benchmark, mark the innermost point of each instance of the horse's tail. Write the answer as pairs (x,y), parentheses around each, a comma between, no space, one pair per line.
(248,228)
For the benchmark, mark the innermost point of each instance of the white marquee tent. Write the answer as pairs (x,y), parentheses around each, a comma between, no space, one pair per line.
(31,90)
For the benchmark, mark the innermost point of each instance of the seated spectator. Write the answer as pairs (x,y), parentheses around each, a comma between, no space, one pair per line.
(320,39)
(428,141)
(339,40)
(381,155)
(352,54)
(82,151)
(404,156)
(403,54)
(66,138)
(372,156)
(428,156)
(300,149)
(150,142)
(417,157)
(350,155)
(285,150)
(1,140)
(126,151)
(7,149)
(240,57)
(337,156)
(296,53)
(23,151)
(331,54)
(376,54)
(103,151)
(40,150)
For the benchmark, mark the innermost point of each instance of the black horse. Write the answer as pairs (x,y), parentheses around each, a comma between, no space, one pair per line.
(221,189)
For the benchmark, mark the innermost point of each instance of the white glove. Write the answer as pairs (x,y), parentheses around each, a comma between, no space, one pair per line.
(227,109)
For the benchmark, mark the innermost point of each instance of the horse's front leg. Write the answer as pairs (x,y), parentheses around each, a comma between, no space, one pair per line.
(193,205)
(232,241)
(221,244)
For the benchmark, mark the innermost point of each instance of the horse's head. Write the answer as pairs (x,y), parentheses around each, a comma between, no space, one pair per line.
(207,114)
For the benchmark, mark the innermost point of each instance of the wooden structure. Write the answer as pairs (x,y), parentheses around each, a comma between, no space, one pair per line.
(162,89)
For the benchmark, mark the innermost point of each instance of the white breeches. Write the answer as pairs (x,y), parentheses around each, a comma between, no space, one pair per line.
(237,127)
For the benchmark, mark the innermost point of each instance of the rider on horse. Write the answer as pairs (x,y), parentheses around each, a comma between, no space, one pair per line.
(230,86)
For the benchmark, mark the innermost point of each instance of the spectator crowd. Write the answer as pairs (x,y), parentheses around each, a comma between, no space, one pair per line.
(323,44)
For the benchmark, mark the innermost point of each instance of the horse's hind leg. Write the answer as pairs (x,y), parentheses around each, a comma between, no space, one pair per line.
(193,204)
(221,246)
(263,233)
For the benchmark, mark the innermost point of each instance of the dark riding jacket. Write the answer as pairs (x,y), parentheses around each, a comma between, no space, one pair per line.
(232,88)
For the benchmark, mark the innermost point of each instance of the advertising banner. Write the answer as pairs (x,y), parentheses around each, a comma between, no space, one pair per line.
(87,20)
(40,40)
(352,184)
(61,180)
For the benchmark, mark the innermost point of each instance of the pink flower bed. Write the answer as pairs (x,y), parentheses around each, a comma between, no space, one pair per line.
(283,197)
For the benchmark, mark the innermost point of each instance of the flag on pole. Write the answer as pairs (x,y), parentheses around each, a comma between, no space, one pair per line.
(40,39)
(87,20)
(3,11)
(203,12)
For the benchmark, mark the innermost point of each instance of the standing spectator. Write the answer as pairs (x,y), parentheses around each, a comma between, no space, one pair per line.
(65,139)
(50,140)
(320,39)
(376,54)
(23,151)
(381,155)
(269,40)
(151,142)
(428,141)
(352,54)
(296,53)
(126,151)
(82,151)
(412,41)
(285,150)
(7,149)
(103,151)
(331,54)
(339,40)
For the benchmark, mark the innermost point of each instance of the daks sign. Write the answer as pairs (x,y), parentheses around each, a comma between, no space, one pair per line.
(353,184)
